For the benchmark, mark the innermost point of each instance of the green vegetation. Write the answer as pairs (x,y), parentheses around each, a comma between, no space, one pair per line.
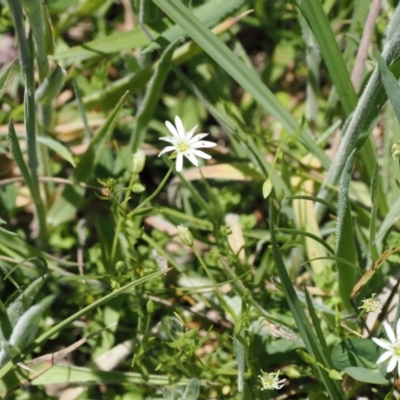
(261,268)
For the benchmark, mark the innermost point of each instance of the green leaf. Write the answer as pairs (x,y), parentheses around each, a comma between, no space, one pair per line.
(51,86)
(245,76)
(306,331)
(374,211)
(390,84)
(5,75)
(319,24)
(57,147)
(208,13)
(22,303)
(267,188)
(240,356)
(345,245)
(355,352)
(372,376)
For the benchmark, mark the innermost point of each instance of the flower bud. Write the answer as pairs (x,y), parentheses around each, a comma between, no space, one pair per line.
(120,267)
(150,306)
(185,235)
(138,162)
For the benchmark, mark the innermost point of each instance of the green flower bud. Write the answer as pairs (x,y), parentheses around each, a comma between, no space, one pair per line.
(137,188)
(120,267)
(333,374)
(150,306)
(185,235)
(138,162)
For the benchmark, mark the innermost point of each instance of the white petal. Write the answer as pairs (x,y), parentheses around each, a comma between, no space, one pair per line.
(392,364)
(201,154)
(168,139)
(382,343)
(191,157)
(166,149)
(398,368)
(203,143)
(190,133)
(198,137)
(389,332)
(172,129)
(398,329)
(180,128)
(383,357)
(179,162)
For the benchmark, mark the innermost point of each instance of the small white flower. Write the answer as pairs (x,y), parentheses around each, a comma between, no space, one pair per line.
(271,381)
(392,347)
(184,144)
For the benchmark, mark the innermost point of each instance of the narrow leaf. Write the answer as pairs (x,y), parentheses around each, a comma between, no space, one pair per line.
(57,147)
(5,75)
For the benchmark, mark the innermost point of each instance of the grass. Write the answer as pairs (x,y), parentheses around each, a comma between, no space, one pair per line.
(264,272)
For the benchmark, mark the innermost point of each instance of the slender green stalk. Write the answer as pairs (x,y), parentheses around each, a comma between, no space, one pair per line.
(132,213)
(27,66)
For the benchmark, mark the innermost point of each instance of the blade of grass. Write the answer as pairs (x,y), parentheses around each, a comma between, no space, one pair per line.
(319,24)
(5,75)
(345,246)
(246,77)
(306,331)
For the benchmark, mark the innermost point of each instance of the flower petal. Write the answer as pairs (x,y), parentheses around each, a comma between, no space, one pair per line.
(197,138)
(389,332)
(201,154)
(179,162)
(191,157)
(398,329)
(383,357)
(392,364)
(166,149)
(203,143)
(382,343)
(172,129)
(180,128)
(190,133)
(170,139)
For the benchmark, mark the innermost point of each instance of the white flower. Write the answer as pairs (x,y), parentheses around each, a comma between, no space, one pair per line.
(271,381)
(392,347)
(184,144)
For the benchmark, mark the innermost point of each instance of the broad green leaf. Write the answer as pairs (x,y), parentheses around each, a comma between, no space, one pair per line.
(57,147)
(245,76)
(27,325)
(66,205)
(355,352)
(372,376)
(192,390)
(23,302)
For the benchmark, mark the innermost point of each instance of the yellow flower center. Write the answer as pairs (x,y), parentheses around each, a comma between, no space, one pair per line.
(182,147)
(396,349)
